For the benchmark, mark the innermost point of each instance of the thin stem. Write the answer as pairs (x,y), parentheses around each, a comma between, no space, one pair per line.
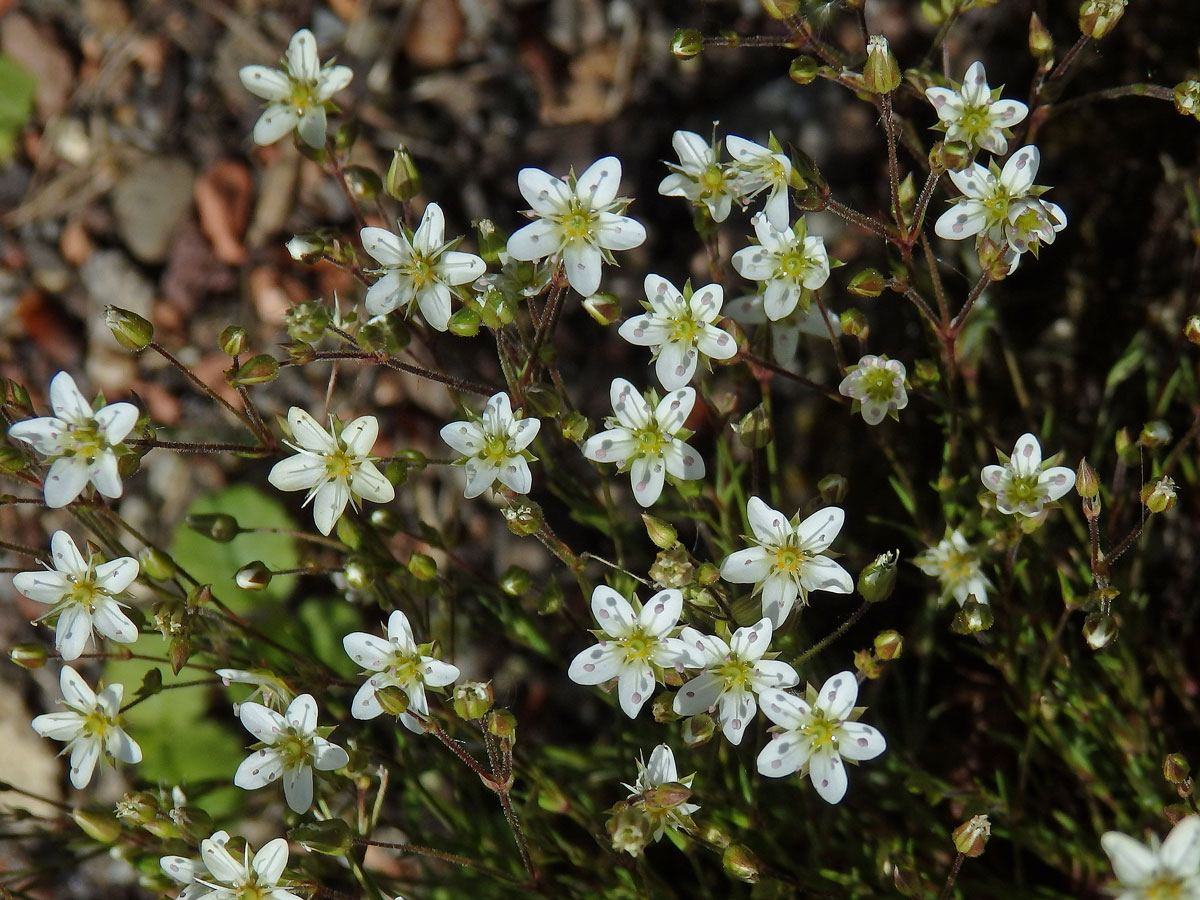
(830,638)
(39,555)
(922,204)
(889,130)
(473,387)
(201,386)
(952,877)
(194,447)
(445,857)
(935,277)
(168,687)
(780,370)
(833,338)
(914,297)
(854,217)
(298,535)
(961,319)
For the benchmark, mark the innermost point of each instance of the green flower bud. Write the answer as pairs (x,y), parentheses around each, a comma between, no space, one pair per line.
(515,581)
(219,527)
(1099,630)
(306,247)
(232,340)
(363,184)
(492,241)
(253,576)
(1041,43)
(465,322)
(889,644)
(1087,484)
(972,836)
(908,883)
(697,730)
(403,178)
(131,330)
(575,427)
(1187,103)
(393,700)
(881,73)
(803,70)
(1191,330)
(1159,496)
(662,534)
(973,617)
(1155,434)
(307,321)
(740,863)
(604,307)
(502,724)
(99,825)
(666,796)
(257,370)
(833,489)
(854,323)
(179,650)
(28,656)
(1176,768)
(155,564)
(867,283)
(755,429)
(194,824)
(331,837)
(877,580)
(1098,17)
(687,43)
(422,567)
(473,699)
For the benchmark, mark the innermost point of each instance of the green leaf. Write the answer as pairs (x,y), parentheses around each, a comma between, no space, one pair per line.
(17,87)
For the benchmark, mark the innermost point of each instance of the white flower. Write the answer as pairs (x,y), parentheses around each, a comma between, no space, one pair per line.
(297,94)
(700,177)
(1003,206)
(787,261)
(218,876)
(494,447)
(333,469)
(760,169)
(422,270)
(91,728)
(955,563)
(581,219)
(266,684)
(643,440)
(293,750)
(786,563)
(818,733)
(83,594)
(976,115)
(637,647)
(785,332)
(679,328)
(1158,871)
(877,385)
(396,662)
(652,775)
(1024,484)
(79,442)
(733,674)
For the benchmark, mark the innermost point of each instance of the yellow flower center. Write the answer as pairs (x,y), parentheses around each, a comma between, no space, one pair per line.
(421,269)
(638,646)
(1164,887)
(339,464)
(684,330)
(650,442)
(790,559)
(406,670)
(295,749)
(821,731)
(96,723)
(712,179)
(577,223)
(794,264)
(736,672)
(877,382)
(496,449)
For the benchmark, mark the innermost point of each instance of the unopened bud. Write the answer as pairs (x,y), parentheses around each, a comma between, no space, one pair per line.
(908,883)
(1155,434)
(331,837)
(305,248)
(833,489)
(1098,17)
(605,308)
(740,863)
(492,241)
(803,70)
(687,43)
(363,184)
(662,534)
(950,156)
(219,527)
(1087,484)
(155,564)
(232,340)
(502,724)
(465,322)
(1159,496)
(755,429)
(1041,44)
(972,836)
(1125,447)
(28,656)
(574,427)
(131,330)
(877,580)
(1099,630)
(473,699)
(697,730)
(881,73)
(422,567)
(515,581)
(256,370)
(867,283)
(708,574)
(307,321)
(178,651)
(253,576)
(889,644)
(100,826)
(194,824)
(1191,330)
(403,178)
(993,257)
(973,617)
(393,700)
(1187,103)
(666,796)
(1176,768)
(855,324)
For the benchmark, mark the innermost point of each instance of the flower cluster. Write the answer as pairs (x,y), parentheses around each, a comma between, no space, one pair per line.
(704,179)
(218,876)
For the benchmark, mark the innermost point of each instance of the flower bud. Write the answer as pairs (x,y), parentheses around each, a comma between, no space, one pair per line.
(98,825)
(1176,769)
(740,863)
(155,564)
(1187,103)
(604,307)
(1159,496)
(889,644)
(662,534)
(687,43)
(697,730)
(1191,330)
(131,330)
(473,699)
(803,70)
(422,567)
(833,489)
(307,321)
(363,184)
(867,665)
(630,830)
(881,73)
(755,429)
(1041,43)
(854,323)
(523,518)
(1155,434)
(219,527)
(973,617)
(502,724)
(867,283)
(708,574)
(329,836)
(465,322)
(515,581)
(1098,17)
(306,247)
(257,370)
(1099,630)
(253,576)
(877,580)
(138,808)
(574,427)
(907,881)
(666,796)
(972,836)
(662,710)
(403,180)
(393,700)
(492,241)
(28,656)
(993,257)
(1087,484)
(232,340)
(178,651)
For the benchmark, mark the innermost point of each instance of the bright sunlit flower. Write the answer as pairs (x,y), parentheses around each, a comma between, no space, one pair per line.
(1166,871)
(78,443)
(762,169)
(679,328)
(643,440)
(493,448)
(664,810)
(733,674)
(395,662)
(91,729)
(218,876)
(786,562)
(785,332)
(817,734)
(297,94)
(974,114)
(700,176)
(786,261)
(582,219)
(294,749)
(82,594)
(423,270)
(636,648)
(1024,484)
(333,469)
(955,563)
(877,386)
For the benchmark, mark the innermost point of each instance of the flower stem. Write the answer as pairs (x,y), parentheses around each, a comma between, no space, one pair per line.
(201,386)
(952,877)
(834,635)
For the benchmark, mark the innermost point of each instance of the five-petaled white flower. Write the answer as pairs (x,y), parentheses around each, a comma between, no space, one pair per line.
(974,114)
(955,563)
(579,218)
(786,261)
(297,95)
(218,876)
(420,270)
(787,561)
(333,469)
(733,674)
(700,176)
(78,442)
(644,793)
(395,662)
(494,447)
(679,329)
(762,169)
(637,647)
(294,749)
(643,440)
(91,728)
(1024,484)
(1004,206)
(785,332)
(83,594)
(818,734)
(876,385)
(1166,871)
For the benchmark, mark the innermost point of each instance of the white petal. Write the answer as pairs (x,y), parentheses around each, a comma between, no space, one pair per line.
(661,612)
(270,861)
(1180,852)
(992,477)
(265,724)
(782,756)
(1027,454)
(1007,113)
(276,121)
(779,593)
(773,673)
(1133,862)
(828,774)
(76,692)
(823,574)
(260,768)
(596,664)
(542,191)
(615,232)
(751,642)
(644,331)
(298,788)
(431,233)
(635,684)
(612,611)
(65,481)
(384,247)
(84,757)
(859,741)
(817,531)
(753,263)
(66,400)
(365,705)
(467,438)
(370,484)
(329,503)
(672,411)
(1020,170)
(456,267)
(693,151)
(116,575)
(73,631)
(837,695)
(768,525)
(331,80)
(302,56)
(359,436)
(746,566)
(66,555)
(121,746)
(514,473)
(537,240)
(270,84)
(481,475)
(308,434)
(299,472)
(780,299)
(220,864)
(436,673)
(116,421)
(60,726)
(372,653)
(698,694)
(615,445)
(400,632)
(114,624)
(523,432)
(182,870)
(648,475)
(1056,481)
(736,708)
(105,475)
(599,182)
(715,343)
(660,768)
(434,301)
(630,406)
(302,714)
(582,262)
(676,364)
(683,461)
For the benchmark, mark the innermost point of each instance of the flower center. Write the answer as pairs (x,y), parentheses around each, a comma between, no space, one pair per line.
(295,749)
(83,593)
(1023,489)
(577,223)
(793,264)
(339,465)
(1164,887)
(650,442)
(821,731)
(496,449)
(736,672)
(877,383)
(301,97)
(975,120)
(638,646)
(790,559)
(957,566)
(712,179)
(86,441)
(96,723)
(422,270)
(406,670)
(683,330)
